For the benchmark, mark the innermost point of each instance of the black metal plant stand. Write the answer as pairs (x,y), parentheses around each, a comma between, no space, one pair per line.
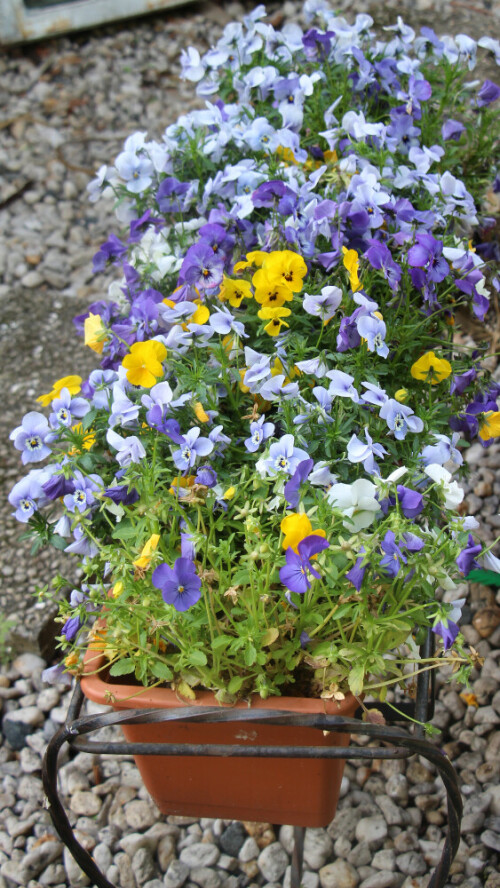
(400,744)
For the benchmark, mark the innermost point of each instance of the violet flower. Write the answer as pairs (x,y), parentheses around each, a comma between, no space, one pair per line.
(391,562)
(466,561)
(30,437)
(193,447)
(446,625)
(294,573)
(427,254)
(180,585)
(292,487)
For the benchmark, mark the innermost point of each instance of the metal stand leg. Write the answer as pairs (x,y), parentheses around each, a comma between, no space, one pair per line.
(297,856)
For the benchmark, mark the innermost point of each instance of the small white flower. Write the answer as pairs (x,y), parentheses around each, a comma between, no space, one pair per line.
(453,493)
(356,501)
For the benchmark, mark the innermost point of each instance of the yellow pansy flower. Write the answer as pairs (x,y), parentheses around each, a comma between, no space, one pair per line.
(117,589)
(286,155)
(228,495)
(401,395)
(490,425)
(351,263)
(147,551)
(72,383)
(330,157)
(88,440)
(430,368)
(201,314)
(269,290)
(71,661)
(199,410)
(275,317)
(255,257)
(243,388)
(94,332)
(181,483)
(143,363)
(234,291)
(287,267)
(296,528)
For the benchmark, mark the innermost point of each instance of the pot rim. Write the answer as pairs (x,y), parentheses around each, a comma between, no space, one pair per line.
(128,696)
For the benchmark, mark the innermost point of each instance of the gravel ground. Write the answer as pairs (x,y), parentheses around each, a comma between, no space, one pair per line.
(66,108)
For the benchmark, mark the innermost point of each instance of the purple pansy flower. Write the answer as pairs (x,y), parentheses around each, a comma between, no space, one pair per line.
(357,572)
(452,129)
(411,502)
(30,437)
(400,419)
(357,451)
(206,476)
(294,573)
(128,450)
(192,448)
(466,561)
(427,254)
(65,409)
(284,456)
(113,248)
(121,494)
(393,557)
(202,268)
(292,487)
(70,628)
(488,93)
(82,497)
(180,585)
(25,494)
(275,194)
(445,624)
(260,430)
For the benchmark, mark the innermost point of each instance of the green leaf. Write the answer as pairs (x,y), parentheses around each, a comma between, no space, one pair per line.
(58,542)
(488,577)
(250,655)
(235,684)
(356,678)
(88,419)
(123,667)
(162,671)
(221,642)
(197,658)
(269,636)
(124,531)
(86,462)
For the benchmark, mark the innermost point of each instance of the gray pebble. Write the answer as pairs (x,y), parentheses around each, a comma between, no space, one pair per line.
(318,848)
(200,854)
(411,864)
(205,877)
(382,879)
(249,850)
(273,861)
(491,839)
(176,874)
(338,874)
(143,866)
(140,814)
(372,830)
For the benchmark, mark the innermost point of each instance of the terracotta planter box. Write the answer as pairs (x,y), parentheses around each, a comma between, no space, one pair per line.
(302,792)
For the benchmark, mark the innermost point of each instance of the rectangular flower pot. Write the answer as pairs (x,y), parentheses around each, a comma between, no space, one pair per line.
(302,792)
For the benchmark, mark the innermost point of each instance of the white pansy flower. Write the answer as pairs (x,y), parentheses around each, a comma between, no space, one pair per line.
(356,501)
(452,492)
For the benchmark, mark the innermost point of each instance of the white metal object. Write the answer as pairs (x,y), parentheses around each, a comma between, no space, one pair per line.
(19,24)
